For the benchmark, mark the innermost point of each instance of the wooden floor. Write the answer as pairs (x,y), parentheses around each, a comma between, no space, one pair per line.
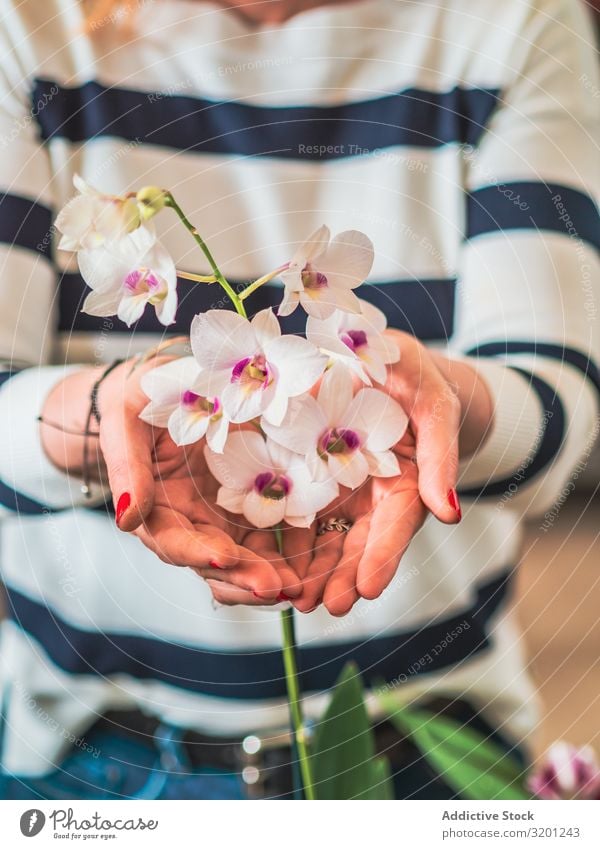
(558,604)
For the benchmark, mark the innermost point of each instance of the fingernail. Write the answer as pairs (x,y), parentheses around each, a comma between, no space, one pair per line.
(214,565)
(454,502)
(283,597)
(122,506)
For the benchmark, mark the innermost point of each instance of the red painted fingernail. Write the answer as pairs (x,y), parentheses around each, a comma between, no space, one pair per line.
(283,597)
(214,565)
(454,502)
(122,506)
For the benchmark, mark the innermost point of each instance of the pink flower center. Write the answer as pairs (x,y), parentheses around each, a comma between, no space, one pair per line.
(142,281)
(252,372)
(200,404)
(272,485)
(339,441)
(354,339)
(311,278)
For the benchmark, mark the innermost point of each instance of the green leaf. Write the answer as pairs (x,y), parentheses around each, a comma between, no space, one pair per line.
(343,758)
(474,766)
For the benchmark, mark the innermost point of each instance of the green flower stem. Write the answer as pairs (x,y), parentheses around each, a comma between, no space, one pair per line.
(252,287)
(197,278)
(290,666)
(220,278)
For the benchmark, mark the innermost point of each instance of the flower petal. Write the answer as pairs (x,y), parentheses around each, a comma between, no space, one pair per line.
(156,415)
(348,260)
(335,395)
(245,456)
(102,302)
(231,499)
(299,364)
(242,405)
(221,338)
(290,301)
(265,326)
(166,383)
(131,309)
(350,470)
(263,512)
(379,416)
(304,422)
(382,464)
(216,435)
(187,427)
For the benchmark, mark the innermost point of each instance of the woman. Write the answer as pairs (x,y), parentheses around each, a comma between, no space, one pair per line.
(465,144)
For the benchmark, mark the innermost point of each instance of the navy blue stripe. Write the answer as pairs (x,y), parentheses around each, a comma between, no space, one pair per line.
(412,117)
(533,206)
(572,356)
(259,674)
(424,308)
(6,375)
(13,500)
(550,442)
(25,223)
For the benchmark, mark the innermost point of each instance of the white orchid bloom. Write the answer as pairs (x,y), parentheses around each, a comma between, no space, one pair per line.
(175,405)
(127,275)
(356,340)
(267,483)
(91,218)
(343,437)
(322,273)
(250,366)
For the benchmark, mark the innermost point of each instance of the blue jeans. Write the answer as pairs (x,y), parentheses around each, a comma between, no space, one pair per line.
(113,765)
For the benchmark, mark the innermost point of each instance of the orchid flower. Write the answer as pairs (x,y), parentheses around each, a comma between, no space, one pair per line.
(356,340)
(567,773)
(343,437)
(267,483)
(91,218)
(250,366)
(175,405)
(127,275)
(322,273)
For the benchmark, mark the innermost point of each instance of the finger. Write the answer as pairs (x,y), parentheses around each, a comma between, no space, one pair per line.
(340,591)
(229,595)
(327,552)
(126,443)
(298,547)
(264,543)
(393,524)
(173,538)
(436,426)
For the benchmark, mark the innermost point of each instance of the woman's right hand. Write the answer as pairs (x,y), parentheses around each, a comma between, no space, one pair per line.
(163,493)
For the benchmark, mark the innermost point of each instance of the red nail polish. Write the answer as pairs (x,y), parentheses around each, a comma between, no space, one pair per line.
(283,597)
(122,506)
(214,565)
(454,502)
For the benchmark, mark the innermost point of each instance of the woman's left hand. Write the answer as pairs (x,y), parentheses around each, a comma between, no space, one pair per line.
(449,409)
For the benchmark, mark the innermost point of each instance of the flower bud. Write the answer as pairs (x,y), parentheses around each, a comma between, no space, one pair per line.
(150,200)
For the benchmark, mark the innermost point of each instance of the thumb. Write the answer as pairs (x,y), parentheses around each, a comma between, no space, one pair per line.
(126,443)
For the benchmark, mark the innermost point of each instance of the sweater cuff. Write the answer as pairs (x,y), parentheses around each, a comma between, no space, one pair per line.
(24,468)
(516,429)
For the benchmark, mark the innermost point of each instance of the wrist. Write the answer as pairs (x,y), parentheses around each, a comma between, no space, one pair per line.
(64,418)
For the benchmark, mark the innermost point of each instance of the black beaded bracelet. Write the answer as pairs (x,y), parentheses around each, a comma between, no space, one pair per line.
(93,413)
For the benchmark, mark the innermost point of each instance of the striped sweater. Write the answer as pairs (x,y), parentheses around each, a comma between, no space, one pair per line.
(463,138)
